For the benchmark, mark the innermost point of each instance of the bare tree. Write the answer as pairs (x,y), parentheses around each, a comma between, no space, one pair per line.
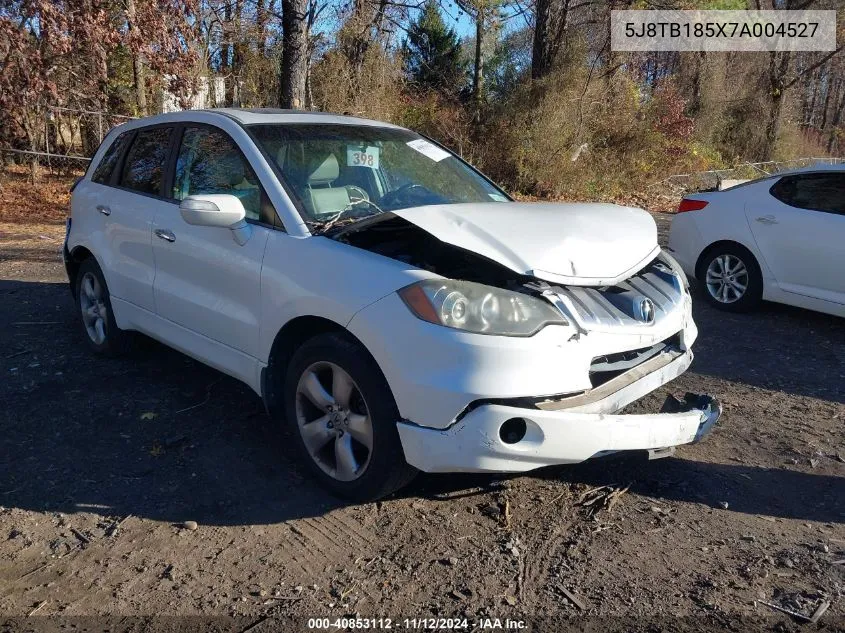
(483,13)
(294,65)
(138,71)
(549,27)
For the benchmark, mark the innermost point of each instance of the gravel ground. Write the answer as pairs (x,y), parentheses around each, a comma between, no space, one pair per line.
(154,485)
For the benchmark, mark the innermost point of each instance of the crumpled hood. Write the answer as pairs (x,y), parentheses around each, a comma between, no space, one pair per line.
(569,243)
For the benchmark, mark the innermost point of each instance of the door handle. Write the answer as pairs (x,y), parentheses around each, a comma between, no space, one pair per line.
(767,219)
(103,209)
(165,235)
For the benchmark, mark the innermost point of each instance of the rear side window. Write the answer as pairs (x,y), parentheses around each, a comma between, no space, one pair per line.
(143,169)
(102,174)
(814,192)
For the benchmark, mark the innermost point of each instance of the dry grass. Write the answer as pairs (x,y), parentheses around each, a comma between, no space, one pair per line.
(21,202)
(28,243)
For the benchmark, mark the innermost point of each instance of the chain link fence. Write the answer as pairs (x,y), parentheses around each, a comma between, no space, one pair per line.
(62,145)
(678,185)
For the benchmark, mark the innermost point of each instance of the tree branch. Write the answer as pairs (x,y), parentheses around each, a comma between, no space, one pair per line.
(812,67)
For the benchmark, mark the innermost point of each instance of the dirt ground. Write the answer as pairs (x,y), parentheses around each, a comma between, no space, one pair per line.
(103,462)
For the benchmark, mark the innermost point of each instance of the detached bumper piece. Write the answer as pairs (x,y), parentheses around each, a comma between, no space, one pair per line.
(499,438)
(707,405)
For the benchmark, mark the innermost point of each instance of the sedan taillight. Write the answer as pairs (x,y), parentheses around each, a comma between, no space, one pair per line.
(691,205)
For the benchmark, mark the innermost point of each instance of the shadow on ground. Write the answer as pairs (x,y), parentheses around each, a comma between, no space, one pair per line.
(774,492)
(160,436)
(777,347)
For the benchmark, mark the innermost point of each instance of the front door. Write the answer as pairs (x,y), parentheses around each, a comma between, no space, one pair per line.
(206,281)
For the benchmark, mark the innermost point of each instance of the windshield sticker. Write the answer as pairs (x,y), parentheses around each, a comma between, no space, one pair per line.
(429,149)
(497,197)
(359,156)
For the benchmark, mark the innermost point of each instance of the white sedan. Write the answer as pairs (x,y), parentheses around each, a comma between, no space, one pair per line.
(391,305)
(781,238)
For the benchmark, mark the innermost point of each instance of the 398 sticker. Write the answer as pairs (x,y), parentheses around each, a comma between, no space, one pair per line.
(357,156)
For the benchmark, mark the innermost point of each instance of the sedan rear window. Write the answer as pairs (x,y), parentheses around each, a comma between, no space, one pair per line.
(144,167)
(814,192)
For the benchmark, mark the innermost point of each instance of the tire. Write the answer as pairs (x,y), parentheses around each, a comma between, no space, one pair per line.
(93,305)
(723,291)
(316,386)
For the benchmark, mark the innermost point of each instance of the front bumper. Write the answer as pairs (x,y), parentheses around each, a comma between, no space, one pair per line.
(563,436)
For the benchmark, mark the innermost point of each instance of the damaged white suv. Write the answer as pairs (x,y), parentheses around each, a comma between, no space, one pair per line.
(391,304)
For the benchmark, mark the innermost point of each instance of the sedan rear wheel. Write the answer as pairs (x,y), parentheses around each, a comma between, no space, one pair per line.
(727,278)
(730,277)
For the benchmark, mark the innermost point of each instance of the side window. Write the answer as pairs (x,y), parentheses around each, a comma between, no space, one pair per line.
(145,161)
(102,174)
(814,192)
(210,162)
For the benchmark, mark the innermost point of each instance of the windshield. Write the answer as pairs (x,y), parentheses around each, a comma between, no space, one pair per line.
(342,173)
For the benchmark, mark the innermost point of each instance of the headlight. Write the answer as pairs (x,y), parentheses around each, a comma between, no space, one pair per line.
(675,266)
(473,307)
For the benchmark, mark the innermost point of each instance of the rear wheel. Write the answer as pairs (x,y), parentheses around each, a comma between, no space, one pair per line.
(343,415)
(96,315)
(730,278)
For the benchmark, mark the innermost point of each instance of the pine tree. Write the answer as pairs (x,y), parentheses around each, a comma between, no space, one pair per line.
(433,52)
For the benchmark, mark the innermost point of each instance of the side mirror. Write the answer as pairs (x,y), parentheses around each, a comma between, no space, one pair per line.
(218,209)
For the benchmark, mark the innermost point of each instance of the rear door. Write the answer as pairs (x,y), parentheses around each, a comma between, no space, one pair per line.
(799,227)
(134,198)
(92,200)
(206,281)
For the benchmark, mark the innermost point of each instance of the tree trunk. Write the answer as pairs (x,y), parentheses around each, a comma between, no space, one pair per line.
(227,54)
(478,71)
(138,73)
(695,101)
(294,65)
(810,102)
(778,67)
(837,118)
(826,104)
(550,24)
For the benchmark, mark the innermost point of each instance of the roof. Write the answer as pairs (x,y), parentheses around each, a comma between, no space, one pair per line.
(250,116)
(817,167)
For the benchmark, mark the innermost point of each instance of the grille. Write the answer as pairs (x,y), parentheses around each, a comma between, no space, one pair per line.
(612,307)
(607,367)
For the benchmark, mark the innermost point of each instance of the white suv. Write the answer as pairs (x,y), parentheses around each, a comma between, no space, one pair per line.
(386,300)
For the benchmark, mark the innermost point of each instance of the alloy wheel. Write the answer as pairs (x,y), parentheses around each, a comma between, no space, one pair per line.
(726,278)
(92,302)
(334,421)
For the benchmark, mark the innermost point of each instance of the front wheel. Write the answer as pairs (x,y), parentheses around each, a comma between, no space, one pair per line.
(730,278)
(343,415)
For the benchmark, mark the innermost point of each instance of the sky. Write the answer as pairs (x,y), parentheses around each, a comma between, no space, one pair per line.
(459,20)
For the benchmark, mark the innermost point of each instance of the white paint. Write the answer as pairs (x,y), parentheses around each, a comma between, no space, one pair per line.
(223,302)
(799,251)
(569,243)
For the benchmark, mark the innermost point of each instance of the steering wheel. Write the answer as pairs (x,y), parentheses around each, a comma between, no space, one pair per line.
(409,192)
